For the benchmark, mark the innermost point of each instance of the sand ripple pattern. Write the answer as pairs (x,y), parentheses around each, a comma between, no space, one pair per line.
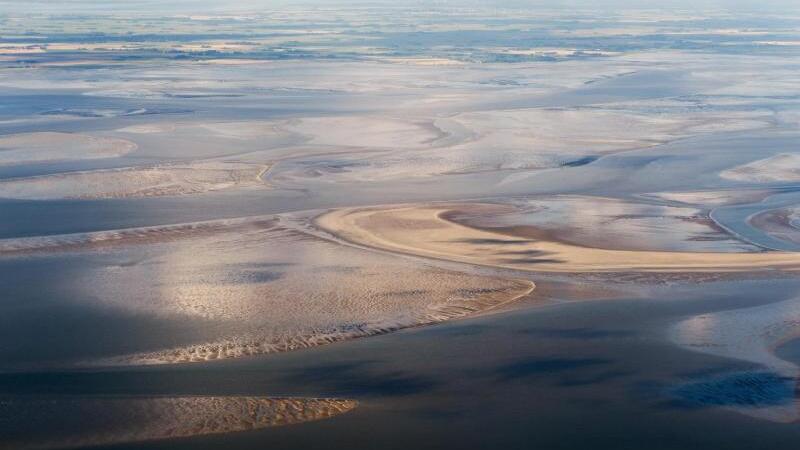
(62,422)
(461,303)
(250,286)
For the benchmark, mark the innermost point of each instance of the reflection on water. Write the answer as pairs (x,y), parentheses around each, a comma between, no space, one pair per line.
(59,422)
(614,224)
(512,379)
(367,106)
(749,334)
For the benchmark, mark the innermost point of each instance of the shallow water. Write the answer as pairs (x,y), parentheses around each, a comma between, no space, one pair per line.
(200,308)
(605,365)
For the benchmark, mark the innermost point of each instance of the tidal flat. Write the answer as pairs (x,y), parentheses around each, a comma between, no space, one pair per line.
(329,225)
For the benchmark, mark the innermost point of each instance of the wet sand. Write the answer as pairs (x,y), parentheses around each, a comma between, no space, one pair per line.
(513,379)
(157,282)
(124,420)
(783,168)
(779,223)
(426,230)
(232,289)
(608,223)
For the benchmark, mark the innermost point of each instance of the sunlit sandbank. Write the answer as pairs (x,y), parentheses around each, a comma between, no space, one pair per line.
(242,287)
(68,422)
(427,230)
(162,165)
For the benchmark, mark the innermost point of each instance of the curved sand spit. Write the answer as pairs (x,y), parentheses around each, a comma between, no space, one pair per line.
(428,230)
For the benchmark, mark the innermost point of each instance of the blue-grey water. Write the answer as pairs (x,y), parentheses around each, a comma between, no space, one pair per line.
(610,128)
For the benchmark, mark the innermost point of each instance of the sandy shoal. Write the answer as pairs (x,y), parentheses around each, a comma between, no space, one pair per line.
(427,230)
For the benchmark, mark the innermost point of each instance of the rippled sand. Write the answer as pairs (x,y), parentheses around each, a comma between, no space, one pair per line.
(255,286)
(67,422)
(632,154)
